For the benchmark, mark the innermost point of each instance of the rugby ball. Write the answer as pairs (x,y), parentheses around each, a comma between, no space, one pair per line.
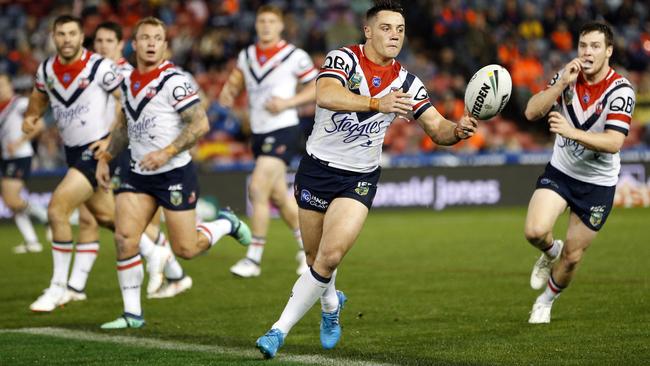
(488,92)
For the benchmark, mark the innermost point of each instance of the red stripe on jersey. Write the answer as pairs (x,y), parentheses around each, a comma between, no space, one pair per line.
(130,265)
(300,76)
(620,117)
(68,72)
(4,104)
(140,81)
(263,55)
(342,73)
(589,94)
(185,98)
(378,77)
(420,104)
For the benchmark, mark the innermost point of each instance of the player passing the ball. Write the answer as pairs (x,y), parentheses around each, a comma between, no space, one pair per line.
(360,90)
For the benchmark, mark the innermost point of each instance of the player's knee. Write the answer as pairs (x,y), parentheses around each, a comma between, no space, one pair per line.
(57,212)
(15,204)
(184,251)
(535,234)
(125,243)
(257,192)
(105,220)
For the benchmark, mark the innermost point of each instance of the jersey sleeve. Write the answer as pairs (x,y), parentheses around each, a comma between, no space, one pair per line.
(242,63)
(108,75)
(39,82)
(619,109)
(180,92)
(304,67)
(339,64)
(420,96)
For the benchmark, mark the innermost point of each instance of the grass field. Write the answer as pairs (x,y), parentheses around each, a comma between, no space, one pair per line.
(424,288)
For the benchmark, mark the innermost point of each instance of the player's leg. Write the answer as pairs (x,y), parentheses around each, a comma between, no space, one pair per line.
(266,172)
(134,213)
(71,192)
(11,188)
(289,213)
(579,238)
(342,224)
(86,252)
(543,211)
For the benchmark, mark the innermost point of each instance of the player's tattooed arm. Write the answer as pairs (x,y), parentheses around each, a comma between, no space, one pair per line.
(119,137)
(196,125)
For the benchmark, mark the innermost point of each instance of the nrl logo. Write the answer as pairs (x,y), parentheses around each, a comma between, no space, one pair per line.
(175,197)
(597,213)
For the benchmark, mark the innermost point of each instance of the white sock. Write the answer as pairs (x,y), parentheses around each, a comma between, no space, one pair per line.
(552,291)
(553,251)
(84,258)
(173,270)
(146,246)
(307,289)
(256,249)
(329,301)
(161,239)
(298,236)
(215,230)
(61,257)
(25,227)
(130,274)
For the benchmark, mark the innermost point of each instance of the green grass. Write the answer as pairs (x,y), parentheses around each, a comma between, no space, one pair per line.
(424,288)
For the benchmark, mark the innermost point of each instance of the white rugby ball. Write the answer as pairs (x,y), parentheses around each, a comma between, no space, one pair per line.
(488,92)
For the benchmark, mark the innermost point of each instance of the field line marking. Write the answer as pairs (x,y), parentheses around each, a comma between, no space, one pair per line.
(180,346)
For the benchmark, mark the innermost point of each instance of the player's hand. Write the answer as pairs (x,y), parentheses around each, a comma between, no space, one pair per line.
(560,125)
(466,127)
(571,71)
(103,175)
(98,147)
(276,105)
(30,124)
(396,102)
(154,160)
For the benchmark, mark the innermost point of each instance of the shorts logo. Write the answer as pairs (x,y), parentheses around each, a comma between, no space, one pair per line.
(175,198)
(376,81)
(116,182)
(362,188)
(548,182)
(268,144)
(596,217)
(192,198)
(306,196)
(281,149)
(86,155)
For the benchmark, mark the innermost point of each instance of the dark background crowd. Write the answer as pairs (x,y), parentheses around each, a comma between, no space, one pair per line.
(447,41)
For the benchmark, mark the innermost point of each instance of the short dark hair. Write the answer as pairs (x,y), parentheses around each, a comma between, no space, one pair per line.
(66,18)
(599,27)
(111,26)
(389,5)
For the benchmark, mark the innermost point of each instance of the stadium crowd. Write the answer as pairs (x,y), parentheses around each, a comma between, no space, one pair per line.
(447,41)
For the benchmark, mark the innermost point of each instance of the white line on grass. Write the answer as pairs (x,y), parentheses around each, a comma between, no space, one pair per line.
(178,346)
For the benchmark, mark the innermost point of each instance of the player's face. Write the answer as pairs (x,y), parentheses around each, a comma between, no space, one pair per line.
(269,27)
(6,90)
(593,52)
(68,40)
(107,45)
(150,44)
(385,33)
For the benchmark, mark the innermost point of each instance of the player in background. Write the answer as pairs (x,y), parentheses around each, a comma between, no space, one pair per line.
(589,108)
(161,263)
(359,91)
(76,83)
(16,162)
(270,71)
(163,119)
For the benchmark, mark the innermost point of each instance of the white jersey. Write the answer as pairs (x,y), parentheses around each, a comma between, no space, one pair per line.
(125,69)
(152,105)
(353,140)
(607,105)
(79,93)
(11,128)
(273,72)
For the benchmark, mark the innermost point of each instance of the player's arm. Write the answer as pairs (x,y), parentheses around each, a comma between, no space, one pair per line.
(101,145)
(443,131)
(232,88)
(332,95)
(118,141)
(195,126)
(38,101)
(307,94)
(541,103)
(609,141)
